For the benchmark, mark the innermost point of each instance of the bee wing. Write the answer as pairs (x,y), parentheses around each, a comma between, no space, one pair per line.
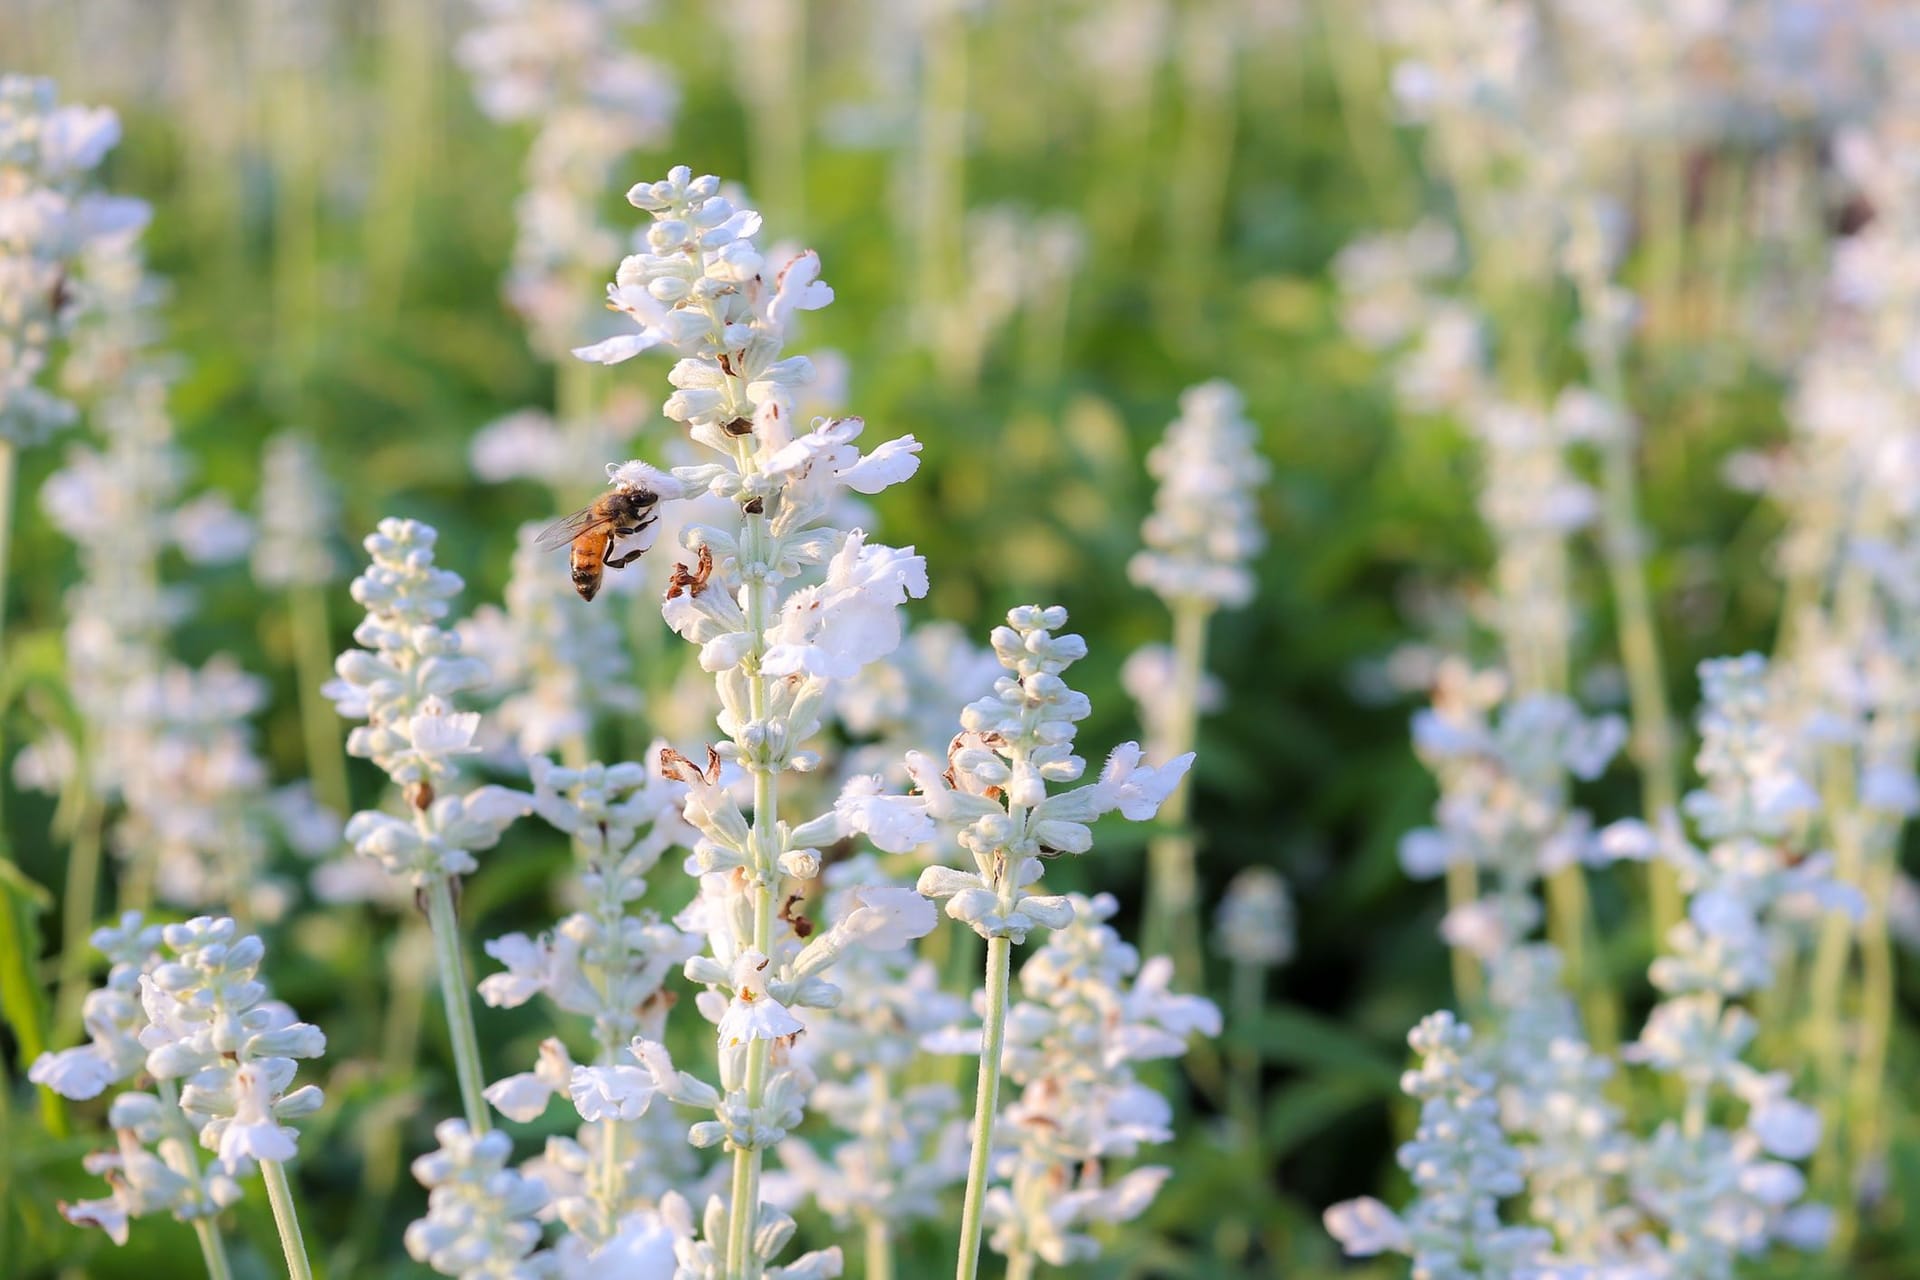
(567,528)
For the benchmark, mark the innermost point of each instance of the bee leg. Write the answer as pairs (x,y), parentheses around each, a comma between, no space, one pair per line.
(621,562)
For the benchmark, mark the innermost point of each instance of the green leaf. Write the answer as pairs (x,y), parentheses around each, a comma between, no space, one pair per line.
(1289,1034)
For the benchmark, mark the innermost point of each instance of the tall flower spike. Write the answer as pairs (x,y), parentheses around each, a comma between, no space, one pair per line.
(782,603)
(47,152)
(399,680)
(1205,526)
(994,798)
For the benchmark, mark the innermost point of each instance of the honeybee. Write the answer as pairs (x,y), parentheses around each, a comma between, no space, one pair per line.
(593,531)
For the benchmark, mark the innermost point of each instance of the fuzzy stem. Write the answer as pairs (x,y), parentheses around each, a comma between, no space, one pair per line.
(1020,1265)
(1463,887)
(879,1249)
(743,1211)
(1248,995)
(180,1157)
(76,918)
(986,1103)
(319,723)
(1173,925)
(284,1218)
(453,993)
(9,465)
(1621,542)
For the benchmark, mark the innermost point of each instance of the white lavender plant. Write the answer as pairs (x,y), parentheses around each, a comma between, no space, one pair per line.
(1203,531)
(400,681)
(993,799)
(701,290)
(184,1003)
(605,962)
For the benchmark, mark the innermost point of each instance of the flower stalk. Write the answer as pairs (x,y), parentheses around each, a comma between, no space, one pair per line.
(986,1104)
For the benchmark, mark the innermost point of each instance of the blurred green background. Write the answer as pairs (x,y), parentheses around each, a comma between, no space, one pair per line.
(335,218)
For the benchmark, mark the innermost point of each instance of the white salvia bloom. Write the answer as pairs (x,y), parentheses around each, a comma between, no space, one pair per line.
(1256,920)
(1205,525)
(297,511)
(171,743)
(399,680)
(997,806)
(783,600)
(1462,1167)
(48,220)
(1386,282)
(1090,1011)
(606,962)
(479,1219)
(1503,765)
(211,1025)
(183,1003)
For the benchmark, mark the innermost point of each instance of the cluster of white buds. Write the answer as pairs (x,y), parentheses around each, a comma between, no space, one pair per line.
(47,220)
(400,681)
(605,962)
(1205,526)
(1255,922)
(1719,1193)
(211,1024)
(564,66)
(184,1003)
(554,662)
(480,1213)
(297,510)
(751,995)
(1462,1167)
(197,810)
(993,792)
(1091,1011)
(1754,802)
(1504,808)
(1387,280)
(904,1144)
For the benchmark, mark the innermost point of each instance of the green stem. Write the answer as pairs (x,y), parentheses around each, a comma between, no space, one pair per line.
(320,725)
(288,1222)
(1020,1265)
(1248,995)
(9,467)
(743,1211)
(213,1250)
(879,1249)
(180,1156)
(1621,545)
(986,1104)
(453,993)
(1469,988)
(76,915)
(1173,922)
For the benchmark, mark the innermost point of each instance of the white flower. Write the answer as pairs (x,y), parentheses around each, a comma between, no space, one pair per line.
(1365,1227)
(252,1133)
(611,1093)
(852,618)
(895,824)
(1138,790)
(752,1014)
